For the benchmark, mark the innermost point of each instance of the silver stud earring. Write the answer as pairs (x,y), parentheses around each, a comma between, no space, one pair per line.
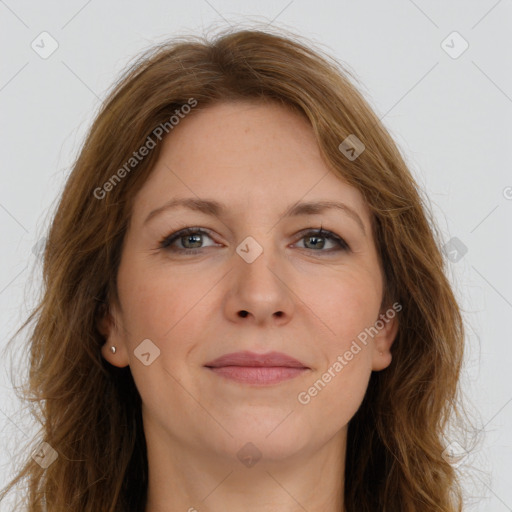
(113,349)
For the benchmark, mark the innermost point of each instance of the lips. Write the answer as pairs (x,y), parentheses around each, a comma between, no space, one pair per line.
(257,370)
(251,359)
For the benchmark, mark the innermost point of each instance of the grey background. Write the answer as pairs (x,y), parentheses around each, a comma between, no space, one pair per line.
(450,117)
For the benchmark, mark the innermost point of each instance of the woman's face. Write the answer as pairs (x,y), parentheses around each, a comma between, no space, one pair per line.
(252,275)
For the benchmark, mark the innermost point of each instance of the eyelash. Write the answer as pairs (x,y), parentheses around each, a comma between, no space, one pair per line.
(166,242)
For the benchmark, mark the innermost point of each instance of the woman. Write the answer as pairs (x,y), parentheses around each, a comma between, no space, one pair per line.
(245,302)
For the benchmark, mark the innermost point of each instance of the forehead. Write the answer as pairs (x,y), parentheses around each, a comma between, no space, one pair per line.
(249,154)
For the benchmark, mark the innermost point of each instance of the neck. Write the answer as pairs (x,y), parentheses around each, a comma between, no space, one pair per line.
(192,478)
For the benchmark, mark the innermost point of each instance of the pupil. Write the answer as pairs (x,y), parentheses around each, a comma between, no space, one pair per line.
(317,244)
(193,239)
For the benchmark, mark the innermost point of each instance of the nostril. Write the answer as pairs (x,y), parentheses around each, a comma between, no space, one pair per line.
(243,313)
(279,314)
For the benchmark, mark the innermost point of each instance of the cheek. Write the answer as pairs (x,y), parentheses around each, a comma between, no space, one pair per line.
(346,304)
(334,397)
(158,301)
(160,306)
(172,308)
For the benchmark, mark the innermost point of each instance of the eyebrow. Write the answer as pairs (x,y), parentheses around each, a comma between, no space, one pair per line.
(216,209)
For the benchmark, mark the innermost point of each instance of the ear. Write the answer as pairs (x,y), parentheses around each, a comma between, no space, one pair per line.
(109,325)
(387,324)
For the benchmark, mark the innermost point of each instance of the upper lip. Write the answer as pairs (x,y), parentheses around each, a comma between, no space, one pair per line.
(247,358)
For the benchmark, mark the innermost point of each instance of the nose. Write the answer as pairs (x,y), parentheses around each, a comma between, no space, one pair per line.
(259,292)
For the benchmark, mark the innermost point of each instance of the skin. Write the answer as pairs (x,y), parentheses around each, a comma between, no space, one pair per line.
(307,301)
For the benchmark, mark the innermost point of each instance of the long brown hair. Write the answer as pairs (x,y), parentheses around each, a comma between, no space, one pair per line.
(90,411)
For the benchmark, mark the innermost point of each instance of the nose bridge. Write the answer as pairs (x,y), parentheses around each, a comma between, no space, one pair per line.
(259,285)
(256,267)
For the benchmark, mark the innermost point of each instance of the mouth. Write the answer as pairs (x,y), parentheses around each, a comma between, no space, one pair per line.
(257,369)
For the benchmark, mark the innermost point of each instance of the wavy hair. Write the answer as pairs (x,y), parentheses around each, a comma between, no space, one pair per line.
(90,411)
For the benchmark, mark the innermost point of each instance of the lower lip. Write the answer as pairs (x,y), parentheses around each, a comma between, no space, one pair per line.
(258,374)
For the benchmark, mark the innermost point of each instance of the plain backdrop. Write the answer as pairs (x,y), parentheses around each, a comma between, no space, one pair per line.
(447,106)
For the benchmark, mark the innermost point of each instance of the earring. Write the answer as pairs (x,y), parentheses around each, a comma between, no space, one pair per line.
(113,349)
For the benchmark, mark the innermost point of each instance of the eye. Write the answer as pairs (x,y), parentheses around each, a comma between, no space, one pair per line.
(190,241)
(315,240)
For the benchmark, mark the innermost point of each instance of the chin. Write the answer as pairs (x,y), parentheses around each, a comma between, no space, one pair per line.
(276,440)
